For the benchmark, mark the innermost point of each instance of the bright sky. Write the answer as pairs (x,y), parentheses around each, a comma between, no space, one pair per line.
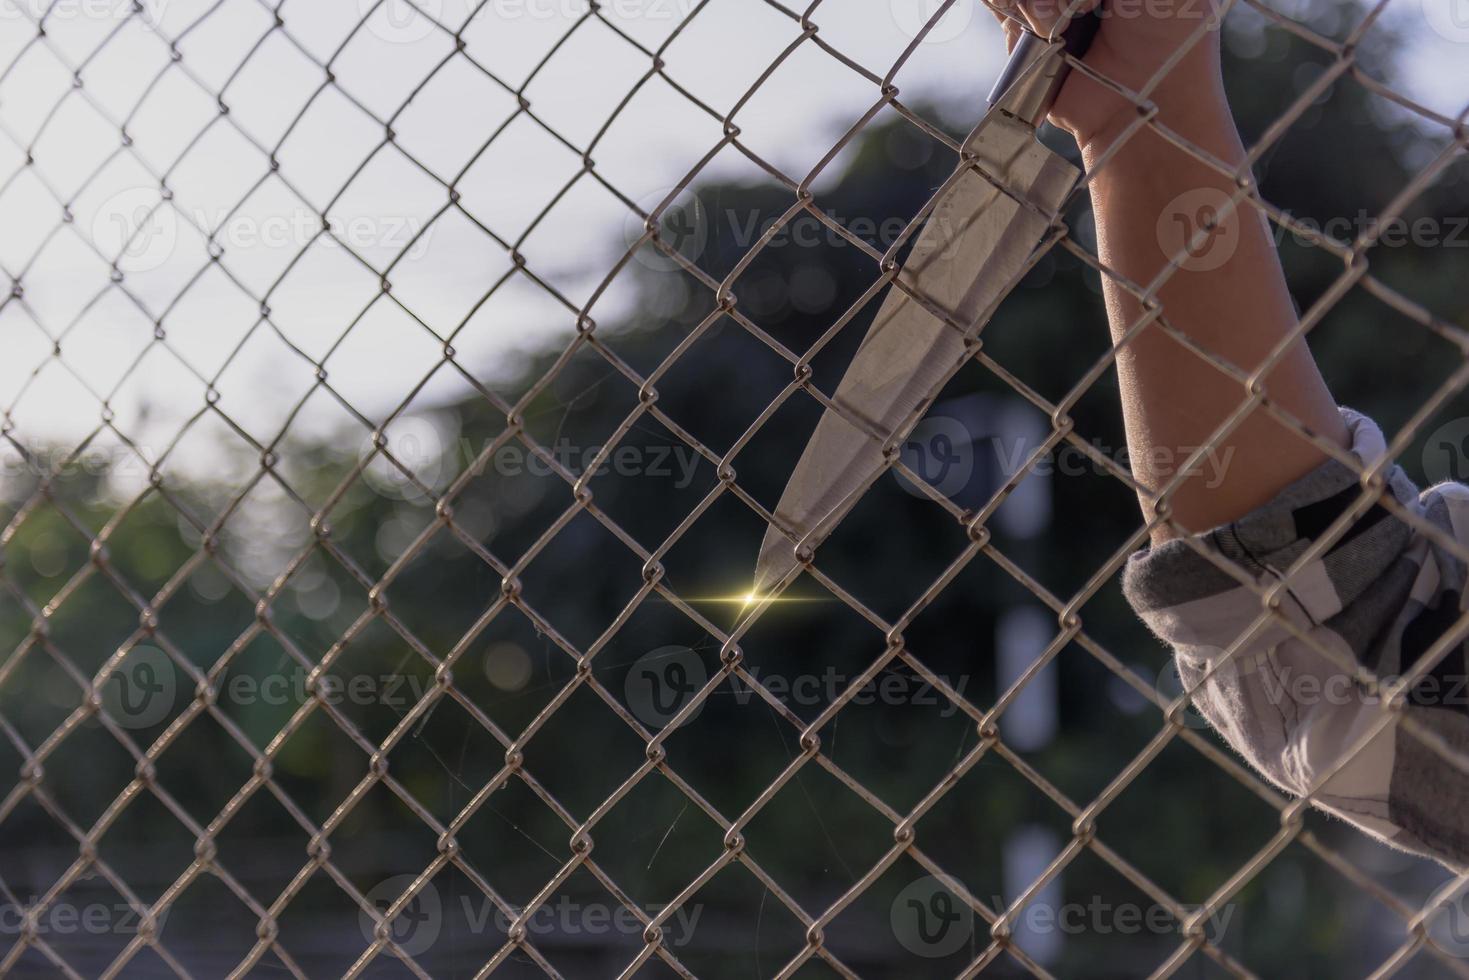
(221,180)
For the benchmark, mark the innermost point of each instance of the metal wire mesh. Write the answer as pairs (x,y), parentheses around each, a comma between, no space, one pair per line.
(37,777)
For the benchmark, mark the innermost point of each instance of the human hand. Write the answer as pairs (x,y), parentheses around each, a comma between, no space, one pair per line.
(1136,40)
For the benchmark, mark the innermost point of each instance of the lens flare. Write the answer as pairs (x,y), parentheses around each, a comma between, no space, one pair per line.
(750,598)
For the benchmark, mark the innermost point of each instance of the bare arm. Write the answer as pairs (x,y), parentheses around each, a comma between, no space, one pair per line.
(1380,590)
(1230,297)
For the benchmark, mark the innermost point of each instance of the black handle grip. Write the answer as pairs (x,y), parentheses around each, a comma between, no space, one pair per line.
(1077,40)
(1082,31)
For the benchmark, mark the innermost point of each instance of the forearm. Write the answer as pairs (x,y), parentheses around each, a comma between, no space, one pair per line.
(1237,308)
(1229,300)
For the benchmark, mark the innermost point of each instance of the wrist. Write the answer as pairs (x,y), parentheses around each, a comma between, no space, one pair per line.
(1194,108)
(1189,98)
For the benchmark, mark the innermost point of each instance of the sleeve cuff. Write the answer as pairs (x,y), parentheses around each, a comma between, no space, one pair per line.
(1188,599)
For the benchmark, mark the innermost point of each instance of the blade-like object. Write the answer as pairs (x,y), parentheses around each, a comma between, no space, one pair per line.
(977,240)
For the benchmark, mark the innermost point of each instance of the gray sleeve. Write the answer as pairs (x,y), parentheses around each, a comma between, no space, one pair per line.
(1380,596)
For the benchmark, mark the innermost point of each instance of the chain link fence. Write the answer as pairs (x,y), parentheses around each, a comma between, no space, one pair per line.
(271,696)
